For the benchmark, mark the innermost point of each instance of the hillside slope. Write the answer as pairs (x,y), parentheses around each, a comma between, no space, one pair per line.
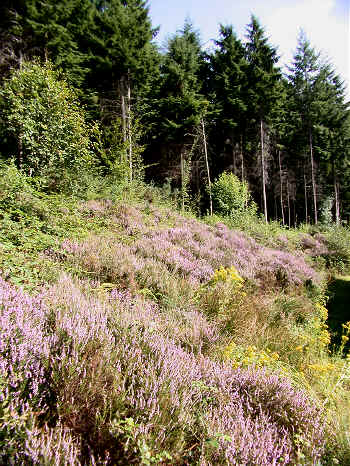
(132,334)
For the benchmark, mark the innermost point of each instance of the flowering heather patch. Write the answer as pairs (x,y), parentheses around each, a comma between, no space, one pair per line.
(196,250)
(191,250)
(121,380)
(209,248)
(25,348)
(314,246)
(96,208)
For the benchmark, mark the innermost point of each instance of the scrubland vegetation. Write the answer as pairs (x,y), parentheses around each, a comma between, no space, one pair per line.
(134,334)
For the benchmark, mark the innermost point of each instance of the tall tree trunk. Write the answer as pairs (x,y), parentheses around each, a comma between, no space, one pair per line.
(207,166)
(129,130)
(263,168)
(242,160)
(20,150)
(336,196)
(281,186)
(305,196)
(182,180)
(234,158)
(122,91)
(313,176)
(275,203)
(122,97)
(20,59)
(288,201)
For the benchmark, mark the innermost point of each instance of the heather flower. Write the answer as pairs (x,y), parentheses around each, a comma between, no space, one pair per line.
(191,250)
(118,355)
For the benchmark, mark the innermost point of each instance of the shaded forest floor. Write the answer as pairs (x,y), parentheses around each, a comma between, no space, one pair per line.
(339,304)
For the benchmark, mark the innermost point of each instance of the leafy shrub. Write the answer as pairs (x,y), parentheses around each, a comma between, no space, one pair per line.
(231,196)
(43,126)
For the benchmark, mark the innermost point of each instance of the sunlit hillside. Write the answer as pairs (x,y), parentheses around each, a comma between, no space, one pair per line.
(133,334)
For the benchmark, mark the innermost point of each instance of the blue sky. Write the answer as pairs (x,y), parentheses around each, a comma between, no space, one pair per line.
(326,23)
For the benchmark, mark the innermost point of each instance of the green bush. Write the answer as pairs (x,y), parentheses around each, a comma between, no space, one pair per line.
(231,196)
(43,126)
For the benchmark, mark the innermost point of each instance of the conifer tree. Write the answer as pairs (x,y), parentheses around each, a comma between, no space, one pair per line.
(59,30)
(228,79)
(16,41)
(305,78)
(331,128)
(281,130)
(48,29)
(263,75)
(181,104)
(120,44)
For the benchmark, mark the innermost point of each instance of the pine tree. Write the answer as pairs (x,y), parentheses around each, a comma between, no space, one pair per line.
(16,41)
(280,133)
(181,104)
(330,132)
(48,29)
(228,81)
(121,57)
(305,78)
(263,74)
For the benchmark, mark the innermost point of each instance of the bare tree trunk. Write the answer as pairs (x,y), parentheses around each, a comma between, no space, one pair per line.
(275,203)
(336,196)
(20,137)
(122,94)
(20,59)
(207,166)
(129,130)
(20,151)
(263,168)
(305,196)
(288,202)
(313,176)
(294,214)
(281,186)
(234,158)
(242,160)
(182,180)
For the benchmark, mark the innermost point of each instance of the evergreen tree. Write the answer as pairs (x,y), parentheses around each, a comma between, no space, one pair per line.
(121,58)
(281,130)
(49,29)
(228,81)
(16,41)
(181,104)
(263,74)
(305,79)
(330,132)
(59,30)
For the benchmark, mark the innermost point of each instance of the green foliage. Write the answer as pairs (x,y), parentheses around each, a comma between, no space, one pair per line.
(231,196)
(43,125)
(326,215)
(116,152)
(263,73)
(181,104)
(118,38)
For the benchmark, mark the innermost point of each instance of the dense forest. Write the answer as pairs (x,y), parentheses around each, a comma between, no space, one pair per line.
(185,114)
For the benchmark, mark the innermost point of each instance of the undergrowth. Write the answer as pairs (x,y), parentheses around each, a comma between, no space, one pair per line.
(132,334)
